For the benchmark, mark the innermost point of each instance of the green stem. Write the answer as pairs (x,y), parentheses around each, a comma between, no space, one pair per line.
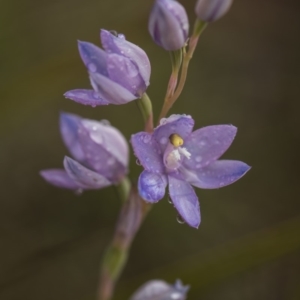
(123,188)
(145,106)
(198,29)
(133,212)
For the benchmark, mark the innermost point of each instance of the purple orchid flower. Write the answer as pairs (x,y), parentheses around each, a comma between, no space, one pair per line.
(100,151)
(119,74)
(169,24)
(175,155)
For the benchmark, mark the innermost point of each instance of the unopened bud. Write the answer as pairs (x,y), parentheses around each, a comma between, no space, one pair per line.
(212,10)
(169,24)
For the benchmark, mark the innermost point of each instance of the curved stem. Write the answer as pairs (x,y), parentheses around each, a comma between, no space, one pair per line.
(145,106)
(198,29)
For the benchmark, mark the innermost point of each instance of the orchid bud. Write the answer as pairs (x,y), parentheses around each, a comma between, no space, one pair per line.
(100,155)
(169,24)
(212,10)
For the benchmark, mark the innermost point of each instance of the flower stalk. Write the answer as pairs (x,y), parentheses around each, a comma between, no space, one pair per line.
(145,106)
(133,212)
(192,44)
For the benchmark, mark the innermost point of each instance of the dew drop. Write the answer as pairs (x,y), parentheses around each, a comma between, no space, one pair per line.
(170,200)
(180,219)
(92,67)
(114,32)
(78,192)
(138,162)
(121,36)
(198,158)
(163,140)
(105,122)
(147,139)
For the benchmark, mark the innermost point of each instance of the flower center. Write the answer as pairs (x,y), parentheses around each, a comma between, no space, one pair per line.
(174,153)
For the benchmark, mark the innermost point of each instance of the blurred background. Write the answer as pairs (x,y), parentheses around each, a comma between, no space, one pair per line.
(245,72)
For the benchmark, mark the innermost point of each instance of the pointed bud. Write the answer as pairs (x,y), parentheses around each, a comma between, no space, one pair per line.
(169,24)
(212,10)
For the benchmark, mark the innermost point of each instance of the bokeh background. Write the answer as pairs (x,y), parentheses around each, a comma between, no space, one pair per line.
(245,72)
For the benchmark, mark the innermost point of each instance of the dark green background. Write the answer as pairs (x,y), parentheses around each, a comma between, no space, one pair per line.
(245,72)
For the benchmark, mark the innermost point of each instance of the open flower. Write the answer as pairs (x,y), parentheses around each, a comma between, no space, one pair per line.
(175,155)
(100,152)
(119,74)
(169,24)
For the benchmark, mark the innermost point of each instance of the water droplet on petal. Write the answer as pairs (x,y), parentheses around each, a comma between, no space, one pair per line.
(121,36)
(138,162)
(92,67)
(147,139)
(105,122)
(170,200)
(180,219)
(163,140)
(78,192)
(198,158)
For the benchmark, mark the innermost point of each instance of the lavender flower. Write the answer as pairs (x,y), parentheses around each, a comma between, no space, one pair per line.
(119,74)
(175,155)
(160,290)
(169,24)
(100,152)
(212,10)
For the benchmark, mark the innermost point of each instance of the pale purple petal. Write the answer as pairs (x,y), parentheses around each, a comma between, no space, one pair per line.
(69,124)
(220,173)
(118,45)
(123,71)
(185,201)
(83,176)
(111,91)
(59,178)
(207,144)
(86,97)
(93,57)
(152,186)
(160,290)
(101,156)
(148,152)
(168,24)
(179,124)
(109,137)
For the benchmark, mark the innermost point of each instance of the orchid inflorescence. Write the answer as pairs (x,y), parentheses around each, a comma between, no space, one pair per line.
(172,154)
